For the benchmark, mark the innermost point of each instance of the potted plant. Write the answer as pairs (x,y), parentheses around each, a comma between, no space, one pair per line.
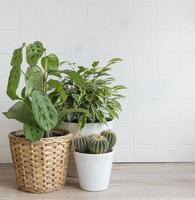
(91,89)
(40,151)
(94,156)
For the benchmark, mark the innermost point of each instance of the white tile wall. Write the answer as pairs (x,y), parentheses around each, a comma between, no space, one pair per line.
(156,39)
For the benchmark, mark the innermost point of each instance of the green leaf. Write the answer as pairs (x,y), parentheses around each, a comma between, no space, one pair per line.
(29,88)
(63,62)
(82,121)
(20,112)
(118,96)
(119,87)
(95,63)
(81,69)
(44,112)
(113,113)
(114,60)
(50,62)
(101,99)
(105,69)
(34,52)
(13,82)
(116,104)
(34,80)
(55,73)
(32,131)
(17,57)
(59,88)
(100,116)
(76,77)
(15,73)
(89,97)
(76,97)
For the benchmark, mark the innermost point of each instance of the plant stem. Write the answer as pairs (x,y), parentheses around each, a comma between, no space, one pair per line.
(45,82)
(47,134)
(45,75)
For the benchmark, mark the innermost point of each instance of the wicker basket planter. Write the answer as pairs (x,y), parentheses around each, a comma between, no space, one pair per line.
(41,166)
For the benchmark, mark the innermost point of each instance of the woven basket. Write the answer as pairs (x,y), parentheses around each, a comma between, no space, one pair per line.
(41,166)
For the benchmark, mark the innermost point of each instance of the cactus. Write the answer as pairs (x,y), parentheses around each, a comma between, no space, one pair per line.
(111,138)
(98,144)
(81,143)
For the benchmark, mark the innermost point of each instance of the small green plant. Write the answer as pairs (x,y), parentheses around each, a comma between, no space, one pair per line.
(95,144)
(110,136)
(34,107)
(92,89)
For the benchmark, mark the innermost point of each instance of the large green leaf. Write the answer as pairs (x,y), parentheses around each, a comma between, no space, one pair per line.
(20,111)
(34,52)
(43,111)
(59,88)
(32,131)
(17,57)
(14,76)
(50,62)
(76,77)
(34,80)
(13,82)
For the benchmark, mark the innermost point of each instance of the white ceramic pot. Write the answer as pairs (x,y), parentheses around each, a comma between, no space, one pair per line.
(94,170)
(89,128)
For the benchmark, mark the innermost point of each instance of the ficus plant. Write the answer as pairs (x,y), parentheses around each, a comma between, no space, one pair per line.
(92,89)
(33,106)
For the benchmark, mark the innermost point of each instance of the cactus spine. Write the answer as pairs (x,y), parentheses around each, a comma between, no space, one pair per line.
(98,144)
(81,143)
(111,138)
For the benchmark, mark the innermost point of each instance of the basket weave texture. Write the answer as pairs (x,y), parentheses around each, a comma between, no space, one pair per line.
(41,166)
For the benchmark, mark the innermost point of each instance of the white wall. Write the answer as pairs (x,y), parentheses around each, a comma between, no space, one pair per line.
(156,38)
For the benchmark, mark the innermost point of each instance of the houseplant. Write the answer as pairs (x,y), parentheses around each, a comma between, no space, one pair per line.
(94,156)
(92,89)
(40,151)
